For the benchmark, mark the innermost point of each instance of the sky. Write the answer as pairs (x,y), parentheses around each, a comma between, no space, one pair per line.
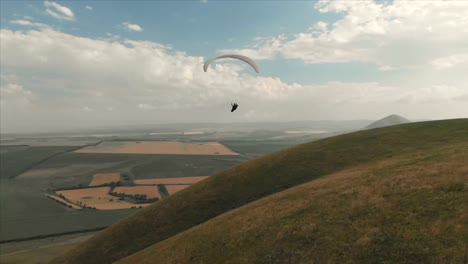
(69,65)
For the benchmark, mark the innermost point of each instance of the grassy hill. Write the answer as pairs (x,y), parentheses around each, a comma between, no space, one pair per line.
(407,209)
(390,120)
(258,178)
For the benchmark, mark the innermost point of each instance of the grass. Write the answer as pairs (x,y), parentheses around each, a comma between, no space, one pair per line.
(258,178)
(39,250)
(23,158)
(407,209)
(259,147)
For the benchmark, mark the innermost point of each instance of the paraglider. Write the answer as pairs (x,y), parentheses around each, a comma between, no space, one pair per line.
(234,107)
(233,56)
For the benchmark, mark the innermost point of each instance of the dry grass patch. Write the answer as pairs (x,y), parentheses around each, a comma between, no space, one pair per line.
(104,178)
(149,191)
(175,188)
(181,180)
(161,147)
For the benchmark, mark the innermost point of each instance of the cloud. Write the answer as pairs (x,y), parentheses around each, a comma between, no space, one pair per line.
(264,48)
(12,93)
(130,76)
(59,11)
(390,35)
(22,22)
(89,7)
(386,68)
(87,109)
(450,61)
(127,75)
(132,27)
(145,106)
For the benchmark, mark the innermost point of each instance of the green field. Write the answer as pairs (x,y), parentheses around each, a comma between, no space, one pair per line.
(29,172)
(39,250)
(264,176)
(17,159)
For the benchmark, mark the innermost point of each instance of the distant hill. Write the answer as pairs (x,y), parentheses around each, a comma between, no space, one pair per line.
(361,156)
(390,120)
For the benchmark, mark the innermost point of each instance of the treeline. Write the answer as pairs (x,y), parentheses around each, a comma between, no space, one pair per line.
(140,198)
(81,186)
(60,202)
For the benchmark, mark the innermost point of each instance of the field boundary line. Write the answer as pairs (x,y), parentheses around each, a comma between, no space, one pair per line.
(52,235)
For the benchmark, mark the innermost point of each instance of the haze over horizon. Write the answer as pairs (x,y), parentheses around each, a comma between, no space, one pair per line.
(88,64)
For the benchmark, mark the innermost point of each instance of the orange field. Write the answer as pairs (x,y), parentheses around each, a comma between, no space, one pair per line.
(60,199)
(98,198)
(175,188)
(182,180)
(103,178)
(160,147)
(150,191)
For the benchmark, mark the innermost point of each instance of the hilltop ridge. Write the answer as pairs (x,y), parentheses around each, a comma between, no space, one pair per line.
(390,120)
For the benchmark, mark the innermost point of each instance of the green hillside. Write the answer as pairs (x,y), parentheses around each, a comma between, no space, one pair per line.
(258,178)
(411,208)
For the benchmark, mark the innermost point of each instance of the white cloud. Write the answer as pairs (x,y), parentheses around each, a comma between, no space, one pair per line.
(89,7)
(59,11)
(12,93)
(118,79)
(386,68)
(16,103)
(397,34)
(22,22)
(127,75)
(146,106)
(265,48)
(87,109)
(204,1)
(450,61)
(132,27)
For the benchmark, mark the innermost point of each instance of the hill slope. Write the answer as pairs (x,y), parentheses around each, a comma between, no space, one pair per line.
(407,209)
(390,120)
(258,178)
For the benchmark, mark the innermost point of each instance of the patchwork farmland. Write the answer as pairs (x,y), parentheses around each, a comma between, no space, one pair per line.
(96,198)
(141,193)
(33,176)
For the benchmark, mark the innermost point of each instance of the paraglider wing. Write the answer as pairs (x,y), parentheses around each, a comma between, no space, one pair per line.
(233,56)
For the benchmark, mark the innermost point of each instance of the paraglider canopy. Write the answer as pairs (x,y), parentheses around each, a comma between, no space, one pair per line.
(233,56)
